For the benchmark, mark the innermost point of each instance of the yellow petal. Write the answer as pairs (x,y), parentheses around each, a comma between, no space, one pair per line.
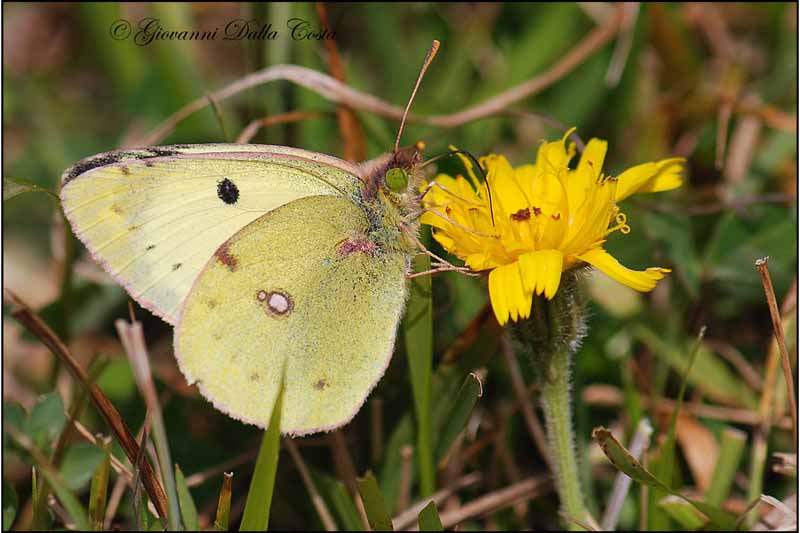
(541,271)
(592,158)
(509,299)
(650,177)
(497,295)
(643,281)
(554,156)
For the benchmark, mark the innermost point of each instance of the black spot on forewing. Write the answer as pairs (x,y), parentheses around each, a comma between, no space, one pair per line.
(176,266)
(149,247)
(227,191)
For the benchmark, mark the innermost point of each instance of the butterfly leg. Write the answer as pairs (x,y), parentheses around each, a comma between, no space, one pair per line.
(442,265)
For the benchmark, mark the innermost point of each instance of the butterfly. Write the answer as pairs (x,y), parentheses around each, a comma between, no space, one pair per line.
(272,263)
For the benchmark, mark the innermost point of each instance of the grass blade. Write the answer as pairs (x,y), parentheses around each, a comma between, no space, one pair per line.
(259,497)
(730,455)
(224,503)
(429,518)
(419,350)
(465,401)
(683,512)
(188,509)
(664,466)
(99,488)
(374,504)
(335,493)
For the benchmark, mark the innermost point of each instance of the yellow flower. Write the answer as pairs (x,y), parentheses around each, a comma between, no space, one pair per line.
(536,221)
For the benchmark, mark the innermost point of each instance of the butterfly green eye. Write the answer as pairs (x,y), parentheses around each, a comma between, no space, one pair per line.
(396,179)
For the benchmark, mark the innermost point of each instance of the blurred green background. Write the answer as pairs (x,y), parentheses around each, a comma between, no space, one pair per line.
(715,83)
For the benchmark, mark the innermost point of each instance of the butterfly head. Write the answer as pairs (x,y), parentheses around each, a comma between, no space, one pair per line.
(402,172)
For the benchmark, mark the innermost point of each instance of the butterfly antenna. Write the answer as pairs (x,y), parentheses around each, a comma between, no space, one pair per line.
(428,59)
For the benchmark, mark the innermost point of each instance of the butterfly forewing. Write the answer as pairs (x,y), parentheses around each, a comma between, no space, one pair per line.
(153,217)
(301,289)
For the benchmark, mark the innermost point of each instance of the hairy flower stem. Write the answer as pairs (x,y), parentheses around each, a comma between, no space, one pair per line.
(551,337)
(555,398)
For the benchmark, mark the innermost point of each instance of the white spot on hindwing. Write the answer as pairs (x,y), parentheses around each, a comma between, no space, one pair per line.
(277,302)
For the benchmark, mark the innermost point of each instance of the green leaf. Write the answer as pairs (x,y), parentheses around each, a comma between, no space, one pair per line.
(262,485)
(419,350)
(188,509)
(14,187)
(459,414)
(79,463)
(429,518)
(624,461)
(46,419)
(9,504)
(374,504)
(683,512)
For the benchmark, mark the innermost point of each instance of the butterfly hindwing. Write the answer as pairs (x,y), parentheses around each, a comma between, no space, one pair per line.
(300,288)
(154,216)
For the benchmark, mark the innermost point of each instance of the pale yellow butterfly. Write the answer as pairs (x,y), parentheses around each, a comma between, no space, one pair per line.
(268,260)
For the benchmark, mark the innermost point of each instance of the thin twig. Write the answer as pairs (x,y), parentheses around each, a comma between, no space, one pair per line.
(273,120)
(339,93)
(612,396)
(526,489)
(734,357)
(376,429)
(201,477)
(406,469)
(406,518)
(769,291)
(316,499)
(344,463)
